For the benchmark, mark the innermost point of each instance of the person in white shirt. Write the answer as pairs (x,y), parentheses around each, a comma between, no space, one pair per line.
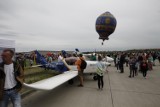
(117,63)
(11,80)
(60,58)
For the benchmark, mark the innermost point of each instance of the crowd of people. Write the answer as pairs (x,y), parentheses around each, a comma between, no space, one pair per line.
(137,62)
(12,73)
(26,60)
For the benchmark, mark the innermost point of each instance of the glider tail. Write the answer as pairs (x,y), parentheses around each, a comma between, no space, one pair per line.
(40,59)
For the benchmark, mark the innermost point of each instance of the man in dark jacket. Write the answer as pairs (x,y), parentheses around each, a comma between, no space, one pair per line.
(122,61)
(11,80)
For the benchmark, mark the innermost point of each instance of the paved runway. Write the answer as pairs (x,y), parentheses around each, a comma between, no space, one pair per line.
(119,91)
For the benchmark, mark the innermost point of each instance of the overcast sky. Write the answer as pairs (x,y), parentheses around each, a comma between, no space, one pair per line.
(70,24)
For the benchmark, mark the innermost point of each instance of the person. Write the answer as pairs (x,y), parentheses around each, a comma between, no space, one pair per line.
(150,62)
(31,62)
(154,58)
(144,68)
(159,57)
(144,55)
(122,61)
(132,66)
(11,80)
(100,68)
(21,60)
(60,57)
(49,59)
(115,56)
(136,67)
(93,57)
(127,60)
(80,71)
(117,63)
(140,60)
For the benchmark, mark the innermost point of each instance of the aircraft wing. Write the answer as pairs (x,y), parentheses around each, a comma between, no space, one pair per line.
(53,82)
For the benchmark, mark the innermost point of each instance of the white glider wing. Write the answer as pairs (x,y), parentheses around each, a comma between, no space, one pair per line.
(53,82)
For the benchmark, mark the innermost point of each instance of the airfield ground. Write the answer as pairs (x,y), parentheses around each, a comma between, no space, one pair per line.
(119,91)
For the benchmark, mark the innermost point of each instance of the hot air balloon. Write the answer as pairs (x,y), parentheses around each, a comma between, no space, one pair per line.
(105,25)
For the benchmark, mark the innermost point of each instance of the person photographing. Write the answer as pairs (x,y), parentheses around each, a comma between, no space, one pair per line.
(100,69)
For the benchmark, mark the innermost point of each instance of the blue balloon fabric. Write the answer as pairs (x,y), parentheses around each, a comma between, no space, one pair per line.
(105,25)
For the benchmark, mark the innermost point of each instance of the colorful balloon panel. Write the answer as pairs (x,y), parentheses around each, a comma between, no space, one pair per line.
(105,25)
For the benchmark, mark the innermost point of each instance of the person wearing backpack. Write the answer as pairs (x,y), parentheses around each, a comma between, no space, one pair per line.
(132,66)
(81,65)
(101,67)
(11,80)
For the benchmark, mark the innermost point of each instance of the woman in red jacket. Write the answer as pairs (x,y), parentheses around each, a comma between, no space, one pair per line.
(144,68)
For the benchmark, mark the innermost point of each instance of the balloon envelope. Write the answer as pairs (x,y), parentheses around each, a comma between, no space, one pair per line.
(105,25)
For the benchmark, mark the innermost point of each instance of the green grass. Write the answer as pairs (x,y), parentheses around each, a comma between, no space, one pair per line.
(36,74)
(27,63)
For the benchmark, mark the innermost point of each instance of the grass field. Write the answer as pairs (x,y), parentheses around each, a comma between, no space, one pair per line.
(36,74)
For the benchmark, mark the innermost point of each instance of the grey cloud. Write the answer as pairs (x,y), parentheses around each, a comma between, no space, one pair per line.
(4,27)
(59,24)
(6,9)
(6,35)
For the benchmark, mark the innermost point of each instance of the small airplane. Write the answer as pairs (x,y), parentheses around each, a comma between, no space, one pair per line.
(90,64)
(107,58)
(67,72)
(88,56)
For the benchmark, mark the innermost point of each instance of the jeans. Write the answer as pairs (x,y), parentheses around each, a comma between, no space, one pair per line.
(132,72)
(14,96)
(144,73)
(117,65)
(100,81)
